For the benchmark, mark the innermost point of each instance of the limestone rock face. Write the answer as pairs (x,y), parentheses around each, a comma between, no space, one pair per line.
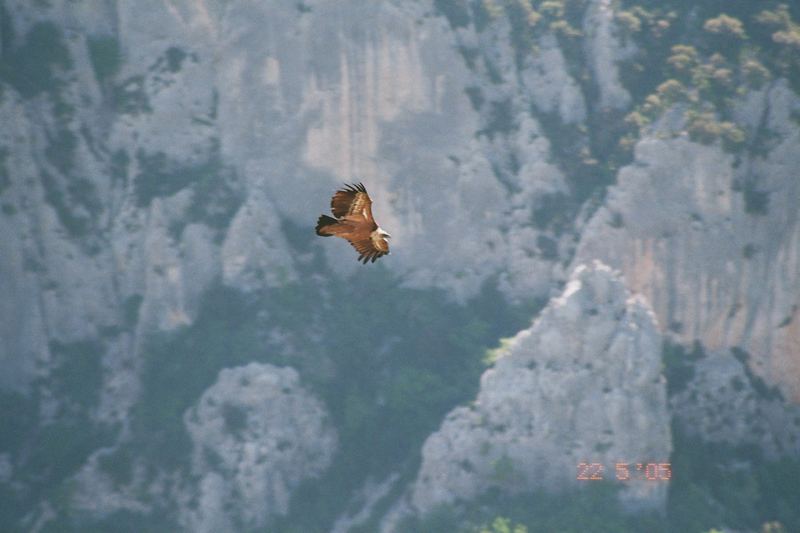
(204,150)
(726,403)
(255,251)
(714,243)
(176,145)
(256,434)
(604,51)
(582,384)
(180,159)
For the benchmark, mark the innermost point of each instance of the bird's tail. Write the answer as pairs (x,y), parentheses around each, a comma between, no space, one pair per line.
(323,223)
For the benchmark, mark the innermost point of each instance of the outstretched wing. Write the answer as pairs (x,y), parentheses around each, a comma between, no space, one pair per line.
(352,201)
(369,248)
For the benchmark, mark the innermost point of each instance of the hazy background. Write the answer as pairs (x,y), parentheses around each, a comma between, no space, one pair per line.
(595,259)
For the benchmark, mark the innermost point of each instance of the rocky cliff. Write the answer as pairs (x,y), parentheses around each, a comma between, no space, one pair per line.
(247,457)
(161,167)
(699,232)
(582,385)
(255,434)
(726,404)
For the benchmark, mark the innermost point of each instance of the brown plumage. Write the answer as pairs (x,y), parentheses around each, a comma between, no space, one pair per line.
(352,208)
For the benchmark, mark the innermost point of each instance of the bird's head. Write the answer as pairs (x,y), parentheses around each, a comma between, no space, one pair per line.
(384,234)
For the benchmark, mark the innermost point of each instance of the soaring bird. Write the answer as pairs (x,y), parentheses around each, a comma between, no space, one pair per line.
(352,208)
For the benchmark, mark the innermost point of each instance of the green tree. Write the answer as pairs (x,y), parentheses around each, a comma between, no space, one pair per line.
(503,525)
(726,26)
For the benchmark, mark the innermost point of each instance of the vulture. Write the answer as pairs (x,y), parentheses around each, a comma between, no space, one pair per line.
(352,220)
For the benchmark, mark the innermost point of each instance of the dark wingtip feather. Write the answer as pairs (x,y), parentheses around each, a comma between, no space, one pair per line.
(354,187)
(322,221)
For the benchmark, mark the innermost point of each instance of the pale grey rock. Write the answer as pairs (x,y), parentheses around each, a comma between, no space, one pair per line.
(582,384)
(179,270)
(364,501)
(714,243)
(120,387)
(254,251)
(59,286)
(529,272)
(724,403)
(296,102)
(96,494)
(516,88)
(21,318)
(293,102)
(256,434)
(551,87)
(603,51)
(50,287)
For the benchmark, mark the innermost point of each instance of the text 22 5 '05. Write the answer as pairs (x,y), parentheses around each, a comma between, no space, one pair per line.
(626,471)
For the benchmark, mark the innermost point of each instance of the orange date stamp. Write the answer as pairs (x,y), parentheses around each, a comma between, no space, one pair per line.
(625,471)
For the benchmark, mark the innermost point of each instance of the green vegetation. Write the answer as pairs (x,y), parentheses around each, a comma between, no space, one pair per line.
(749,250)
(705,56)
(105,55)
(74,198)
(726,34)
(118,465)
(122,521)
(130,310)
(457,12)
(595,508)
(156,179)
(530,19)
(120,162)
(716,485)
(385,393)
(389,361)
(589,156)
(60,152)
(16,427)
(215,193)
(503,525)
(5,177)
(679,365)
(764,391)
(223,335)
(235,418)
(175,57)
(78,373)
(385,400)
(216,198)
(756,201)
(719,485)
(130,97)
(32,67)
(45,456)
(72,195)
(705,129)
(713,486)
